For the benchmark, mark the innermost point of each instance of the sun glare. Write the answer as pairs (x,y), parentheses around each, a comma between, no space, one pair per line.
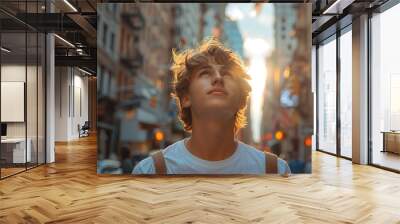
(256,50)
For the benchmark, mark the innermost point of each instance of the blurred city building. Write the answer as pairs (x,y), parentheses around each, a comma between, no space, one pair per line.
(187,25)
(213,17)
(108,54)
(287,119)
(145,116)
(233,36)
(108,58)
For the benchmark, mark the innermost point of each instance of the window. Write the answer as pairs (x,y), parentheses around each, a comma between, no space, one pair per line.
(346,94)
(327,96)
(105,33)
(114,8)
(385,87)
(112,41)
(334,137)
(22,65)
(136,38)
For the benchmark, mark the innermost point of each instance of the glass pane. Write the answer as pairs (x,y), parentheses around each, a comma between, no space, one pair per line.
(32,86)
(346,94)
(386,89)
(13,87)
(31,97)
(41,99)
(327,97)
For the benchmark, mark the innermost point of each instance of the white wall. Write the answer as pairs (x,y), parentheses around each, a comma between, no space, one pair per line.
(71,93)
(80,89)
(13,73)
(12,101)
(61,103)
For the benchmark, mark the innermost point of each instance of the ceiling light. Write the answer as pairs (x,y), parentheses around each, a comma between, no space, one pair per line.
(329,9)
(65,41)
(70,5)
(337,7)
(86,72)
(5,49)
(79,51)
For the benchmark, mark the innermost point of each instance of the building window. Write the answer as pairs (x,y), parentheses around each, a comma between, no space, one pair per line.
(112,40)
(136,38)
(114,8)
(105,33)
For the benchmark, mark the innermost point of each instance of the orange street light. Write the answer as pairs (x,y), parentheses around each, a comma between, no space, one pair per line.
(279,135)
(159,135)
(308,141)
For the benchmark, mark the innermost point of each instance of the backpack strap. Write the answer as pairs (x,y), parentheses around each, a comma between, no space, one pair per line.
(159,163)
(271,163)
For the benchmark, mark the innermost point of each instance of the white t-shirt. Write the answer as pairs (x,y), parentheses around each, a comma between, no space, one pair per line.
(179,160)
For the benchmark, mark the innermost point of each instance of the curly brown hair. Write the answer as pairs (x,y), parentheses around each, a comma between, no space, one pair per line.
(184,65)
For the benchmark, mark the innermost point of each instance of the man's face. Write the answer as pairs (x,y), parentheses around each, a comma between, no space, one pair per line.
(214,90)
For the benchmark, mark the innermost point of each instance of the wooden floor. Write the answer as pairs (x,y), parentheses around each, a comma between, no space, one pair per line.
(10,171)
(387,159)
(70,191)
(5,172)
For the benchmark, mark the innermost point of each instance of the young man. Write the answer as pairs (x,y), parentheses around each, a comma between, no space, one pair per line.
(211,90)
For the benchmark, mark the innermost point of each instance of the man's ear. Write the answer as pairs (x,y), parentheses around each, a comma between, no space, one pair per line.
(185,102)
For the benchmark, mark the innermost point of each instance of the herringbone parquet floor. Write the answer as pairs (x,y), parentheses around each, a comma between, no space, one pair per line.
(70,191)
